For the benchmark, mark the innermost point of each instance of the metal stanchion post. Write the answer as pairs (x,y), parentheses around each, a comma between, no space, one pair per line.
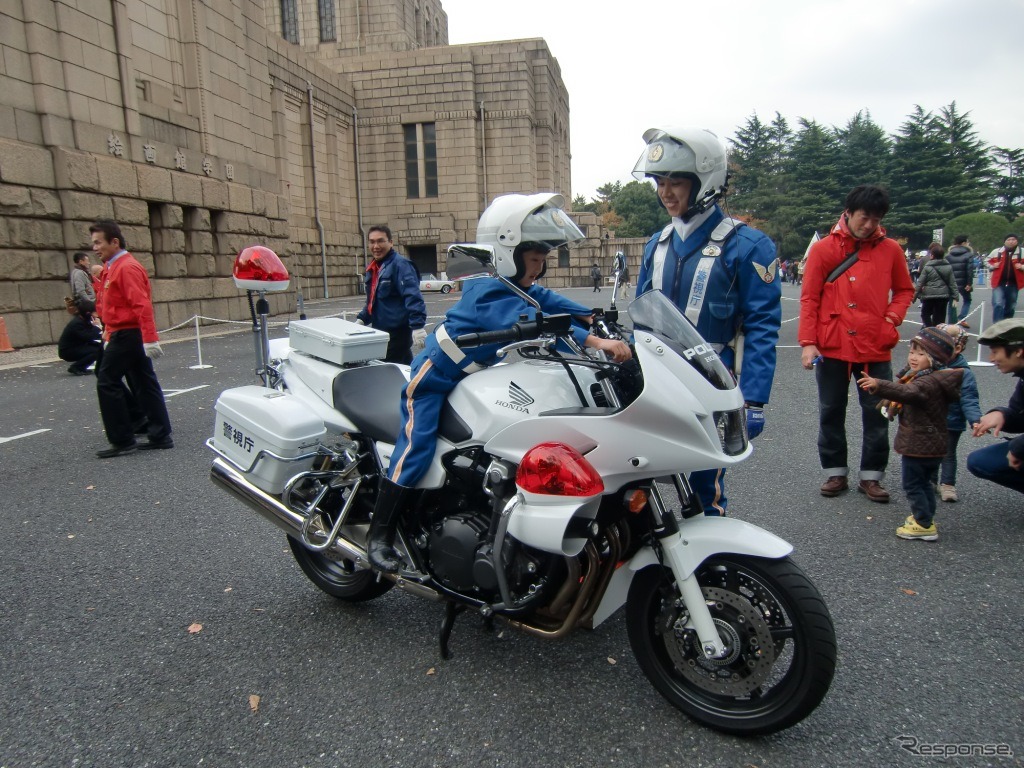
(199,348)
(979,363)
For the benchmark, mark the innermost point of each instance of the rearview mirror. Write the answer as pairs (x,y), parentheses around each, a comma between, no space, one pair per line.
(469,260)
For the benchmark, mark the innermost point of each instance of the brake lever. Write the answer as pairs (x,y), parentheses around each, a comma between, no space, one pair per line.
(543,341)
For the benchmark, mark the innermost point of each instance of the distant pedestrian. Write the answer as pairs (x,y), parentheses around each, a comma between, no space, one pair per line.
(80,341)
(961,258)
(81,279)
(964,413)
(936,286)
(624,280)
(1007,264)
(595,275)
(921,400)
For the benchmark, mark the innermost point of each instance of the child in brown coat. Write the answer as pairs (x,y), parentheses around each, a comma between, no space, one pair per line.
(921,398)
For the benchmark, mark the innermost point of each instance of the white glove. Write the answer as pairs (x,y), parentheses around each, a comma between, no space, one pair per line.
(359,322)
(419,337)
(153,350)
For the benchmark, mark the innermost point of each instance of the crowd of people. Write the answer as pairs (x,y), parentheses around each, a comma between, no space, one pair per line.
(857,286)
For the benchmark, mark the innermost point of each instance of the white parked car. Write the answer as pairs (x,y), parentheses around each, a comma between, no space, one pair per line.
(429,282)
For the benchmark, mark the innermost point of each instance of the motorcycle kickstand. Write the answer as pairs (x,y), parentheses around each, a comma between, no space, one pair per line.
(451,610)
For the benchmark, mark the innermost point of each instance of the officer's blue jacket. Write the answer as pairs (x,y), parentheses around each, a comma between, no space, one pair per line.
(398,302)
(740,296)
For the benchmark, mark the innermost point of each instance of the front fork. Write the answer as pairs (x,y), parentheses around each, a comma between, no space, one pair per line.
(673,546)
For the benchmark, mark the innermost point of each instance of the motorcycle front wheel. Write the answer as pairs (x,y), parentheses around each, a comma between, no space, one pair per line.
(780,644)
(340,579)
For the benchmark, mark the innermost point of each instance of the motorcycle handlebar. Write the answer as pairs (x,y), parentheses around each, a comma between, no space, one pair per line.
(524,329)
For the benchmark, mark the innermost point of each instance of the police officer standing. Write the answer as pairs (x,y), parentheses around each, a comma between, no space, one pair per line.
(722,273)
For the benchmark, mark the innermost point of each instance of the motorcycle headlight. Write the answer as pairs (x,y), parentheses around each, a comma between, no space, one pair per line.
(732,431)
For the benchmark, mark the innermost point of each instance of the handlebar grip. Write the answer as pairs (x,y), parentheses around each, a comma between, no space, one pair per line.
(487,337)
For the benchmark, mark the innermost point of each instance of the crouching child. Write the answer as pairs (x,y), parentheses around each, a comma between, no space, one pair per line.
(921,400)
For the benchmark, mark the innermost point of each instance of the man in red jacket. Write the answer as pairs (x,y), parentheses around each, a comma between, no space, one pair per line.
(856,292)
(131,344)
(1007,265)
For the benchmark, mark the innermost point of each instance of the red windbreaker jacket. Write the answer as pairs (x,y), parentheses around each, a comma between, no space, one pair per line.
(846,319)
(125,300)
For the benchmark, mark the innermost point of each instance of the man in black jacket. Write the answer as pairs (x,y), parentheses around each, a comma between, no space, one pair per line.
(1003,462)
(961,258)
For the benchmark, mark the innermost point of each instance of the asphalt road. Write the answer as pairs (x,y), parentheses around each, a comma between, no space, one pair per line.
(107,564)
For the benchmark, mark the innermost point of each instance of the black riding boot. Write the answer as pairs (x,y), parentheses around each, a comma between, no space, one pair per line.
(392,501)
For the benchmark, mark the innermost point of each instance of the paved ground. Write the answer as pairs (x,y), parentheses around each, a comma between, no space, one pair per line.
(106,564)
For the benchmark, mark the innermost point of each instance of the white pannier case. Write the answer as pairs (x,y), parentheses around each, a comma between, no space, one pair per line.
(337,341)
(268,435)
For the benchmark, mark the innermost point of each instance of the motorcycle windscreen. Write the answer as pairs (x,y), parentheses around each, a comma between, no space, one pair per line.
(654,312)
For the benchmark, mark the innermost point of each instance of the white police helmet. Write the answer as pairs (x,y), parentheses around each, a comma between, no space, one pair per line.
(693,153)
(514,220)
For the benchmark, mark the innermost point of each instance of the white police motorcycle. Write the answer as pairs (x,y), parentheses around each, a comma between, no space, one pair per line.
(557,495)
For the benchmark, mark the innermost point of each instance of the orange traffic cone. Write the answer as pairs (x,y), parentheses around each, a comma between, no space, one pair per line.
(5,340)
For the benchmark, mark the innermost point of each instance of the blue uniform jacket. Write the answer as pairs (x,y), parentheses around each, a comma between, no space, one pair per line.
(398,302)
(739,296)
(966,410)
(487,305)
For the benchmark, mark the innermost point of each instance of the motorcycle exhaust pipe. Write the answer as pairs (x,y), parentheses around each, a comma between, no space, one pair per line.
(289,521)
(231,480)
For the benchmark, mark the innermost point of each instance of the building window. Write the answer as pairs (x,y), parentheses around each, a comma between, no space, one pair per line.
(289,21)
(420,160)
(325,9)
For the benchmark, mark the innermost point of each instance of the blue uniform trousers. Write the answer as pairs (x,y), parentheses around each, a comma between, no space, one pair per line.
(422,400)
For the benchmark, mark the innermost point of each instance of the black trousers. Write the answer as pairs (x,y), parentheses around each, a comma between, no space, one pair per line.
(933,311)
(124,357)
(833,395)
(399,345)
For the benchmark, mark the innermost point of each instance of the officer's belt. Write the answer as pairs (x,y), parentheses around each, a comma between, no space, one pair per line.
(455,354)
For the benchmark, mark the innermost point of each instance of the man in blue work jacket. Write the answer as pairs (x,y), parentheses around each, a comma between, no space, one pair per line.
(393,299)
(722,273)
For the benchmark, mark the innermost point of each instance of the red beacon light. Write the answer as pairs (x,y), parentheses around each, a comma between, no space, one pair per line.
(257,268)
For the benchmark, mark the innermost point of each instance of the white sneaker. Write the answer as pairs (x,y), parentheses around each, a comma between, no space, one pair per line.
(948,492)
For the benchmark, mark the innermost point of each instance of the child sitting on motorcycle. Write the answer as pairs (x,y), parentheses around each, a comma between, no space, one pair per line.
(522,229)
(921,398)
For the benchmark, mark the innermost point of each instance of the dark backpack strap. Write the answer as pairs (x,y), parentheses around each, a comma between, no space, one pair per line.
(848,262)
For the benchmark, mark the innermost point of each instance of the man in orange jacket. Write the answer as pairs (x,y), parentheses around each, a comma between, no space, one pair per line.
(1007,265)
(131,344)
(856,292)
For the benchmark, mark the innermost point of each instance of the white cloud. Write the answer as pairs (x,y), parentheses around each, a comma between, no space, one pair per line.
(632,65)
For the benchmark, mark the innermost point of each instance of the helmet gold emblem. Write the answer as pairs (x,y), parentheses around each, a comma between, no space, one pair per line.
(655,153)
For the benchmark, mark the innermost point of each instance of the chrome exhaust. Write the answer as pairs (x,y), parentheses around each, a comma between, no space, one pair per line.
(289,521)
(231,480)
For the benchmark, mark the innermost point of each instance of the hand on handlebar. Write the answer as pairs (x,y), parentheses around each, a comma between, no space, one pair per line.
(618,351)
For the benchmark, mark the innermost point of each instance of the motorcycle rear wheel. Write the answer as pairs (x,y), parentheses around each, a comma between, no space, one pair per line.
(781,653)
(340,579)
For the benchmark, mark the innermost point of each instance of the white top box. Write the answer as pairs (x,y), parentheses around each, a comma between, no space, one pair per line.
(337,341)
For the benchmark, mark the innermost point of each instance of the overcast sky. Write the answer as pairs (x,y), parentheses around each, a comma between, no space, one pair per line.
(634,64)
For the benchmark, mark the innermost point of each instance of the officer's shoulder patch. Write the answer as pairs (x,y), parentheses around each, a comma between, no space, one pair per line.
(767,273)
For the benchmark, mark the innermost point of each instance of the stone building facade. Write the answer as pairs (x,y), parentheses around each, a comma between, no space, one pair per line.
(204,126)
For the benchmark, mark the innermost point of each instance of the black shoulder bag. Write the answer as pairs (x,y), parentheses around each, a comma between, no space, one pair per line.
(848,262)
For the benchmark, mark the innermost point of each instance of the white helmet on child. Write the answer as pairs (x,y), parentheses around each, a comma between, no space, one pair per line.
(514,223)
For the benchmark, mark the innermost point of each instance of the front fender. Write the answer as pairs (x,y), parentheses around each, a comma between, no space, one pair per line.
(699,539)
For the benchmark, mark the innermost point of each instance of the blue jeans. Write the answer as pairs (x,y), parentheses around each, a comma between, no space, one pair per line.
(919,474)
(991,464)
(1004,302)
(949,462)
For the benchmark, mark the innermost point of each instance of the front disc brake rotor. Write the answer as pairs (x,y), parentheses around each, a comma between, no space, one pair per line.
(749,650)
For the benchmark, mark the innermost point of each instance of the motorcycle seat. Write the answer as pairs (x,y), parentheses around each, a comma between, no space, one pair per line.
(370,396)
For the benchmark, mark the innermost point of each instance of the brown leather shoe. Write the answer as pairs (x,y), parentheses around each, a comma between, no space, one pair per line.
(873,491)
(834,486)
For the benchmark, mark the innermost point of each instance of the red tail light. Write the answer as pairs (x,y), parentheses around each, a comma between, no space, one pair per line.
(555,469)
